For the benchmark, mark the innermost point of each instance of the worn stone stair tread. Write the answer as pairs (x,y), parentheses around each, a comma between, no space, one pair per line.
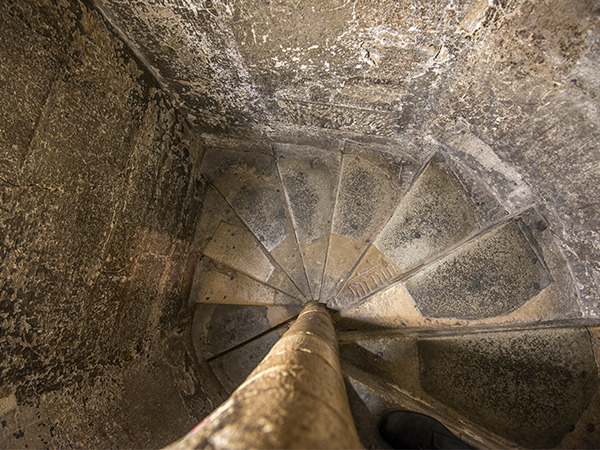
(370,396)
(216,283)
(232,368)
(214,211)
(442,208)
(585,433)
(250,183)
(368,189)
(394,307)
(529,386)
(310,177)
(489,276)
(218,328)
(237,248)
(234,247)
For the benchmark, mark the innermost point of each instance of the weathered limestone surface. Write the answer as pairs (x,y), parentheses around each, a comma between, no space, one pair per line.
(509,87)
(99,197)
(505,381)
(100,174)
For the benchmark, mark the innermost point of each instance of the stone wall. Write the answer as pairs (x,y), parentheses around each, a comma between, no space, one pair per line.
(99,190)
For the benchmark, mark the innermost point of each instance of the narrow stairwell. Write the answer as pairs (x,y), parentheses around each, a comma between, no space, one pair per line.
(445,301)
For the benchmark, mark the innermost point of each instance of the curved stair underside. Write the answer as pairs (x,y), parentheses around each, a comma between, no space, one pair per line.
(445,301)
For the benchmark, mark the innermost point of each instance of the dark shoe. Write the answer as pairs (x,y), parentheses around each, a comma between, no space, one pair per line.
(411,430)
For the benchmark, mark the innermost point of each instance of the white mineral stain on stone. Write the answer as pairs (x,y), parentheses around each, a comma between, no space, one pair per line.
(462,140)
(8,404)
(476,16)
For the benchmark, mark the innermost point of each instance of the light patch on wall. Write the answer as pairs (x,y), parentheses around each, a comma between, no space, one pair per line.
(512,190)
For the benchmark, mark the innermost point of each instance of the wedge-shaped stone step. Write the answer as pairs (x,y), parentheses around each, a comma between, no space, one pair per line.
(250,183)
(214,211)
(222,236)
(233,367)
(216,283)
(489,276)
(529,386)
(310,177)
(220,328)
(371,396)
(395,307)
(369,187)
(234,247)
(442,208)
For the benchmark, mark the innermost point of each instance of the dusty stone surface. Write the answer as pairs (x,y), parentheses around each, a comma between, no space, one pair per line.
(442,208)
(214,211)
(216,283)
(491,275)
(438,211)
(233,367)
(394,307)
(336,65)
(220,327)
(310,178)
(234,247)
(529,386)
(310,191)
(364,199)
(586,433)
(370,184)
(510,87)
(100,188)
(251,185)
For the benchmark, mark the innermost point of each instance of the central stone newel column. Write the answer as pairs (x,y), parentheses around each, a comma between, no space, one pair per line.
(295,398)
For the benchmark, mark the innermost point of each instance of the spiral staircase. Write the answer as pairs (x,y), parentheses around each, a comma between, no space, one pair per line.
(445,301)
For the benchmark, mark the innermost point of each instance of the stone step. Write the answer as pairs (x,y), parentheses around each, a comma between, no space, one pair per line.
(219,328)
(490,276)
(369,187)
(233,367)
(529,386)
(250,184)
(443,207)
(214,211)
(309,177)
(217,283)
(506,275)
(371,396)
(221,235)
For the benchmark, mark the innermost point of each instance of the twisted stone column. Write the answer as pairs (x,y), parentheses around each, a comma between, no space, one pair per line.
(295,398)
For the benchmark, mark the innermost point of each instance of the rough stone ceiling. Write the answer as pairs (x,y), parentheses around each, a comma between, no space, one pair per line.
(371,67)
